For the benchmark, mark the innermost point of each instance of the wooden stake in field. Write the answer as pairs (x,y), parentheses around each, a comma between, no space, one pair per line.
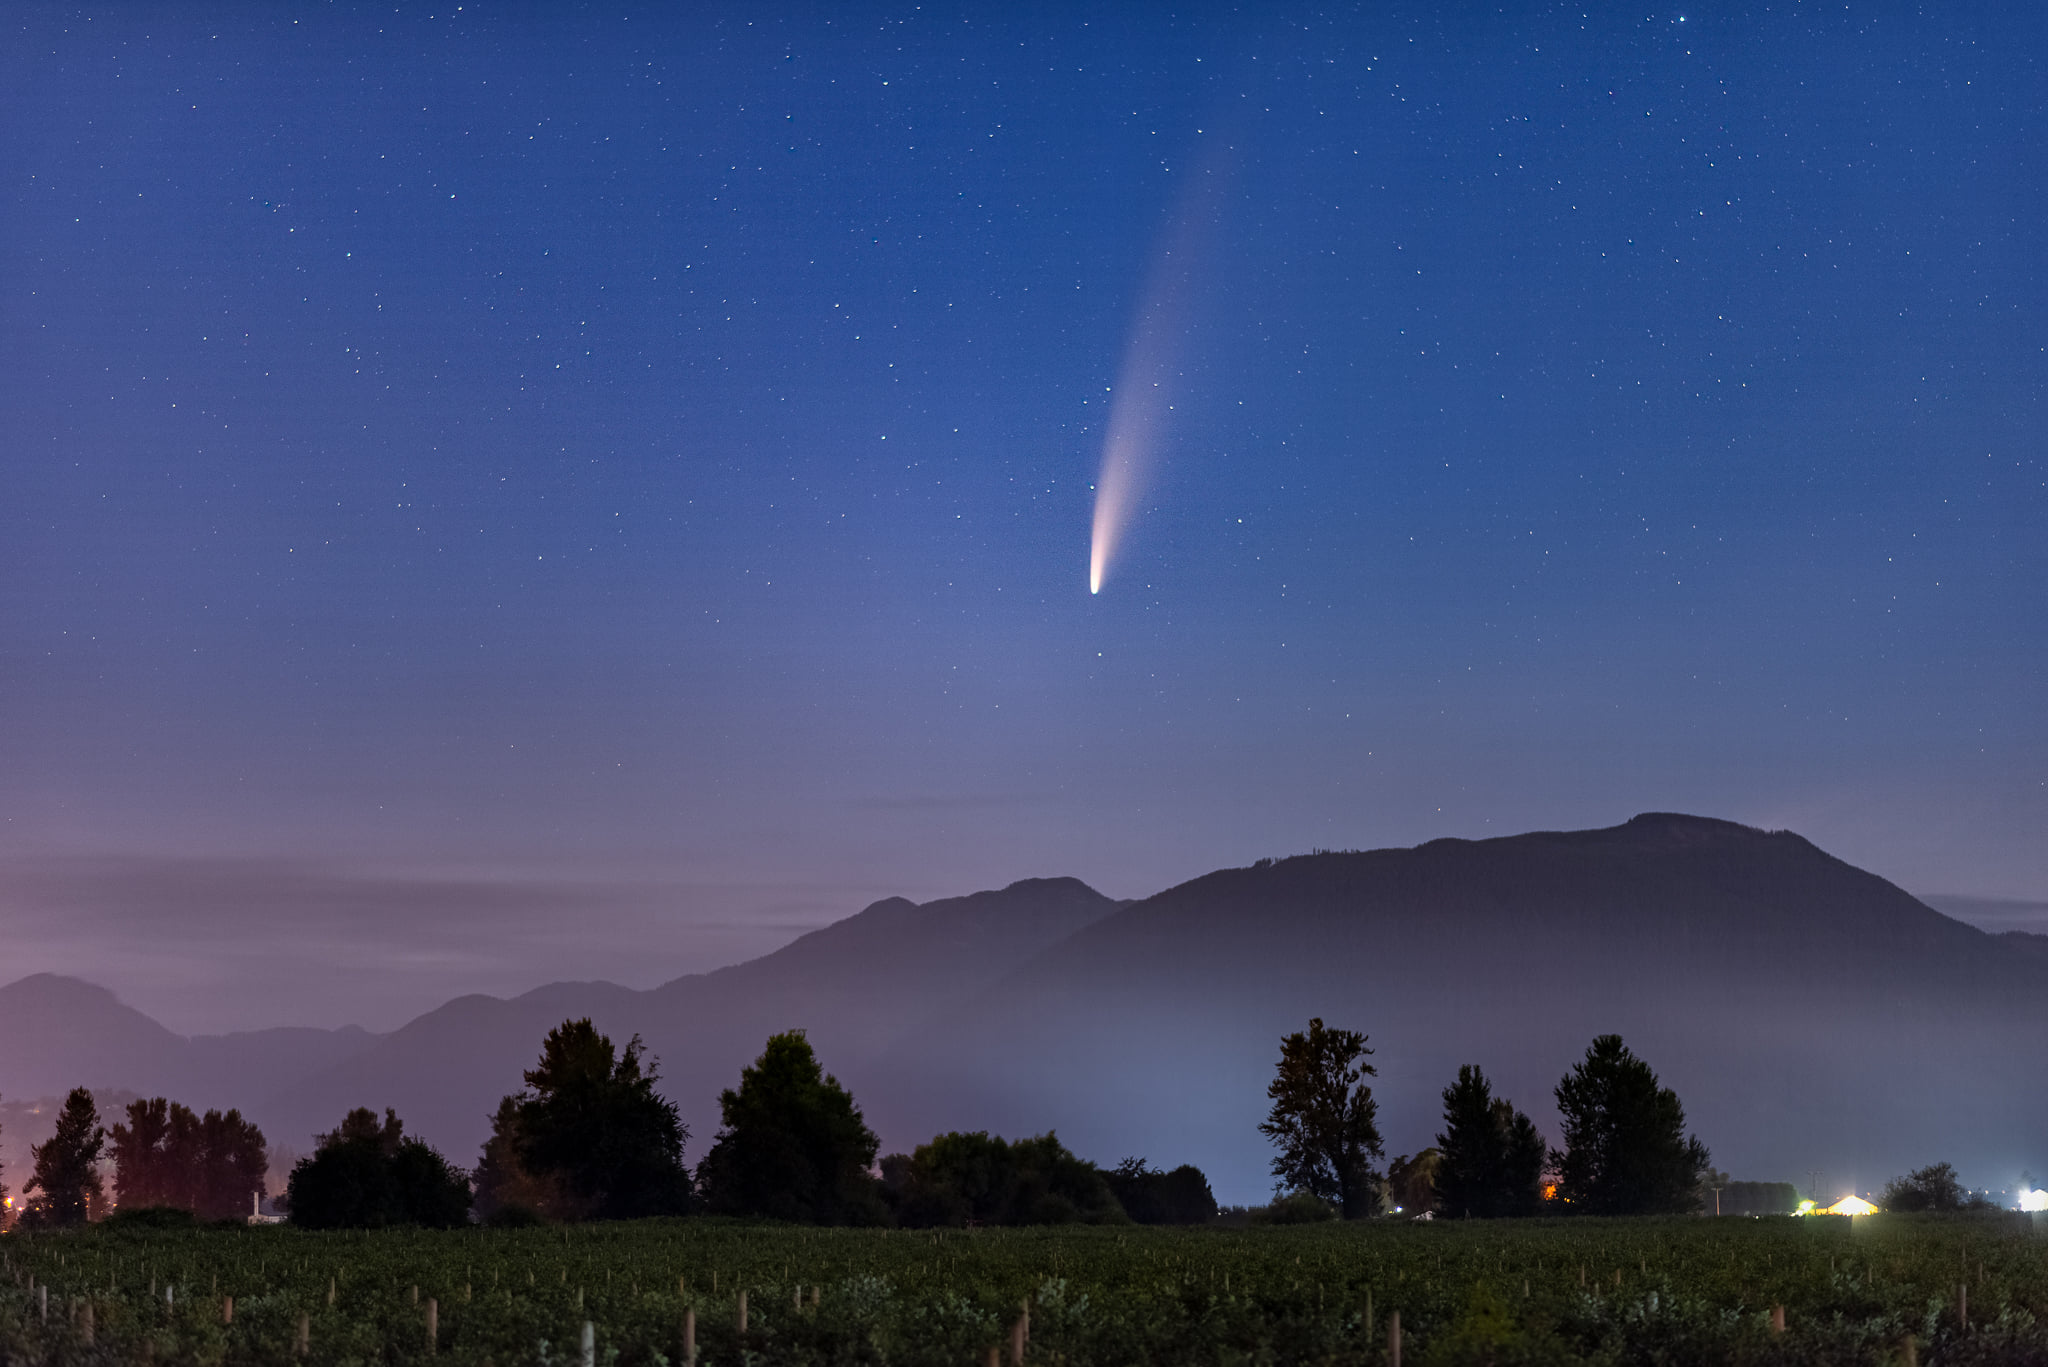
(1394,1339)
(1020,1334)
(330,1290)
(227,1309)
(433,1325)
(589,1344)
(1963,1306)
(85,1331)
(1777,1319)
(690,1336)
(742,1313)
(1909,1352)
(302,1342)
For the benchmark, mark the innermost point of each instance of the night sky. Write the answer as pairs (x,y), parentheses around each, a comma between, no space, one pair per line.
(497,493)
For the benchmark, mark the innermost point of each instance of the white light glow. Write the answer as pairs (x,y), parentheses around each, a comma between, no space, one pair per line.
(2034,1200)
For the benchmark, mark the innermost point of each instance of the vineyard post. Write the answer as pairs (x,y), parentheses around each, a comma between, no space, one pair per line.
(1963,1306)
(1777,1319)
(589,1344)
(227,1309)
(1909,1352)
(1394,1339)
(742,1311)
(1368,1312)
(43,1302)
(1020,1334)
(85,1324)
(302,1343)
(689,1336)
(433,1325)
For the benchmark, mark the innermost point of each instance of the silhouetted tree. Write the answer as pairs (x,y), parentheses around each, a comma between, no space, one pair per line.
(67,1171)
(1323,1119)
(505,1190)
(793,1145)
(1152,1197)
(366,1175)
(980,1178)
(1626,1151)
(1934,1187)
(1411,1182)
(139,1150)
(1492,1154)
(213,1165)
(589,1138)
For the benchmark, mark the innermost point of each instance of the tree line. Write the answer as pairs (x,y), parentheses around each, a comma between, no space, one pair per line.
(164,1157)
(1625,1150)
(588,1137)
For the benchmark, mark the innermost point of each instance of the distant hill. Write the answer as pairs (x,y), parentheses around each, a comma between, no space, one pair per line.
(2026,942)
(856,986)
(1810,1014)
(61,1032)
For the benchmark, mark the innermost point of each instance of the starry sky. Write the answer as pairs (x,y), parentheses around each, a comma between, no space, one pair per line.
(492,493)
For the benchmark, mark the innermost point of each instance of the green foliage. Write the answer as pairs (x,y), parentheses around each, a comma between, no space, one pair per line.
(1322,1119)
(589,1138)
(1492,1155)
(793,1145)
(67,1171)
(1152,1197)
(1690,1292)
(978,1178)
(368,1175)
(1626,1151)
(165,1155)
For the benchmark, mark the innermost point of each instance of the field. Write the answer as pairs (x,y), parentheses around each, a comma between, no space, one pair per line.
(1887,1289)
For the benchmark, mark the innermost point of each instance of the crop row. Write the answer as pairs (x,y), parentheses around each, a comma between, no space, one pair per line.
(1676,1291)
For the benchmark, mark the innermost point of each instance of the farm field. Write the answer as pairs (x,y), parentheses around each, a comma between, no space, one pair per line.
(1671,1291)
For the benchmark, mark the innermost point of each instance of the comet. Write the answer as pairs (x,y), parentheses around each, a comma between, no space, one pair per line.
(1143,399)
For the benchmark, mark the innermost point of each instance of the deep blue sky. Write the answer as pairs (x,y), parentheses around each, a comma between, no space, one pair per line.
(491,493)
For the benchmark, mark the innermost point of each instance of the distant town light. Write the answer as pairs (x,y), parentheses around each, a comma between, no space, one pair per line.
(1851,1204)
(2029,1200)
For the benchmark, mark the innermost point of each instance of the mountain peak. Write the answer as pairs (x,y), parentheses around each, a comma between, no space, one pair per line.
(57,989)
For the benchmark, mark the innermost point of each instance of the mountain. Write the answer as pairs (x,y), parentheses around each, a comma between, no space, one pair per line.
(856,986)
(1814,1018)
(1810,1014)
(2026,942)
(62,1033)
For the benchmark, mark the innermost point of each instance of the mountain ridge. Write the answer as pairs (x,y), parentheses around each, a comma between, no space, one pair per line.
(1148,1025)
